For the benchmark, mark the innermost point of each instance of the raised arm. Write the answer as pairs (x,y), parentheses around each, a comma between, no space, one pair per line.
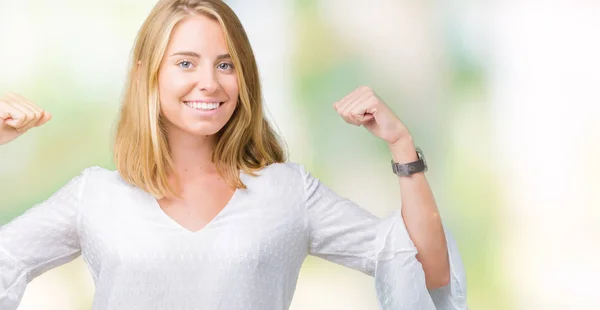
(42,238)
(421,217)
(363,107)
(342,232)
(45,236)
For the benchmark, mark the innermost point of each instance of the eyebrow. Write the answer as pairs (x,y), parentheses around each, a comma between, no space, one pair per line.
(194,54)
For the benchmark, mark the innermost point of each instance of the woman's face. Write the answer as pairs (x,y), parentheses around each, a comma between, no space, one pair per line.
(197,82)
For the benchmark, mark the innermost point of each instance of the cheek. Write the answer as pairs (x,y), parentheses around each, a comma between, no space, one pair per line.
(172,84)
(230,86)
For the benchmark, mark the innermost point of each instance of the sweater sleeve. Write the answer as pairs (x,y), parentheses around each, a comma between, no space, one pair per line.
(42,238)
(342,232)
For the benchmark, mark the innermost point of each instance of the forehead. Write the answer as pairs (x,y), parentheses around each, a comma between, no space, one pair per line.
(198,33)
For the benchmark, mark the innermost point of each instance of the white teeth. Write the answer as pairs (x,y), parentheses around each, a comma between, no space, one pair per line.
(203,105)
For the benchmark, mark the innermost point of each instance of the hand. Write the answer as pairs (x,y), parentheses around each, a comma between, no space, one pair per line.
(363,107)
(17,115)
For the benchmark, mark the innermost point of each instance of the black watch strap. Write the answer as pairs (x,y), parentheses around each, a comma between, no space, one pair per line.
(404,170)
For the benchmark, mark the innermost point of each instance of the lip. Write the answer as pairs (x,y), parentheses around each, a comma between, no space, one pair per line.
(204,100)
(201,112)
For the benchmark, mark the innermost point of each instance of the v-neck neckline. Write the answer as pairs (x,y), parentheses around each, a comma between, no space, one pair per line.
(158,209)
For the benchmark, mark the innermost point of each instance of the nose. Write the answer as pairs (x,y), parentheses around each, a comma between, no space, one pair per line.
(207,80)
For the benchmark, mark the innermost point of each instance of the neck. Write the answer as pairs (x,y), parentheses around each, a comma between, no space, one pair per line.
(191,154)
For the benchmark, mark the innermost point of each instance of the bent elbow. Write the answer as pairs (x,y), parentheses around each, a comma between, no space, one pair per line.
(440,280)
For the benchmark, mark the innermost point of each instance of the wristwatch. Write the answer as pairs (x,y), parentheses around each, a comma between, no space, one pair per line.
(405,170)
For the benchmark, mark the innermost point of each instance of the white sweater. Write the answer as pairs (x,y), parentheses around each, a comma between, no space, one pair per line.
(247,257)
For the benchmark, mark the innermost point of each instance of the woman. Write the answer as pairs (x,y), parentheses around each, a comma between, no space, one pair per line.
(203,211)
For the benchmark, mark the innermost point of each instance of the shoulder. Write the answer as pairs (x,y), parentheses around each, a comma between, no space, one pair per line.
(279,181)
(285,170)
(100,178)
(287,174)
(277,175)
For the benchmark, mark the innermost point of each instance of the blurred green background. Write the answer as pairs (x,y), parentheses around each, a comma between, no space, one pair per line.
(495,94)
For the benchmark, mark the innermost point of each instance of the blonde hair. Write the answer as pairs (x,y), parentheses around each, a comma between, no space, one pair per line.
(141,150)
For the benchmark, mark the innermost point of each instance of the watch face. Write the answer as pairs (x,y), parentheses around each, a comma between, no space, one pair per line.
(421,156)
(420,153)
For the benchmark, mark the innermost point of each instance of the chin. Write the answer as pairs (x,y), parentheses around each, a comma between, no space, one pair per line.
(203,130)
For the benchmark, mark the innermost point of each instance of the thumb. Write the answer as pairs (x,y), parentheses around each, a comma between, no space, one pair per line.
(45,118)
(13,122)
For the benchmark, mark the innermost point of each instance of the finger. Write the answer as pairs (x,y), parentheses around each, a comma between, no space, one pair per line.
(37,111)
(24,101)
(12,116)
(356,109)
(44,119)
(28,115)
(364,110)
(344,111)
(347,115)
(4,110)
(338,104)
(349,97)
(360,92)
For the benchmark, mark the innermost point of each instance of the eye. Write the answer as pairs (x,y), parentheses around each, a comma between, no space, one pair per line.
(185,64)
(225,66)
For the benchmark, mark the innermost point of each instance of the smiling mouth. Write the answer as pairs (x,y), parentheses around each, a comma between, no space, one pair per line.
(203,106)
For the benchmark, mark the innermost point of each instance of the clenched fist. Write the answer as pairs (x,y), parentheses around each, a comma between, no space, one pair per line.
(17,115)
(363,107)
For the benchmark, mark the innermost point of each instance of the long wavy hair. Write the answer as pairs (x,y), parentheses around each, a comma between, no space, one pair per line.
(141,149)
